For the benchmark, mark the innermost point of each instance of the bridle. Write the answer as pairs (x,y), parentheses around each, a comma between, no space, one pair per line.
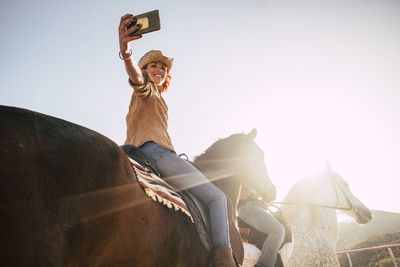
(334,183)
(350,206)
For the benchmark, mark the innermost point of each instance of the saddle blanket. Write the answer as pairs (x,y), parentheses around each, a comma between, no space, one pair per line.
(158,189)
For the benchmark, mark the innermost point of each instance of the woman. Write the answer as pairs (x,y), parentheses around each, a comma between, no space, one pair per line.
(253,213)
(147,128)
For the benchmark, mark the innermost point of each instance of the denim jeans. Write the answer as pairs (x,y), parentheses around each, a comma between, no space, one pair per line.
(184,175)
(257,217)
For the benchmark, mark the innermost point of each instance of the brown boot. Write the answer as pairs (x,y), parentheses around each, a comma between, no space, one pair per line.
(223,257)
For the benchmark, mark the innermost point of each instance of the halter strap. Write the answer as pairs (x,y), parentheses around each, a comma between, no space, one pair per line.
(345,195)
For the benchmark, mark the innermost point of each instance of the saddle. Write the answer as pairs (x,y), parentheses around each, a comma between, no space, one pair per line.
(137,154)
(197,209)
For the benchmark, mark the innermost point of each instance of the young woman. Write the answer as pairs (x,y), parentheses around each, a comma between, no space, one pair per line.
(147,128)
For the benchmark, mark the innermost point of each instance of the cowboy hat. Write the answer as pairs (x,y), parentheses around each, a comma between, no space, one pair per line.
(155,56)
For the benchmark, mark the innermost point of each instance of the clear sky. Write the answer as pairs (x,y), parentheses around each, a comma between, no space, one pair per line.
(318,79)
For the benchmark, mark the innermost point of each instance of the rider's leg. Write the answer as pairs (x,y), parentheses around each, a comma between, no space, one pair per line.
(260,219)
(185,176)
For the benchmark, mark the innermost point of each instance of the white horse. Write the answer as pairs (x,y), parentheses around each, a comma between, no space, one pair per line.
(310,210)
(311,213)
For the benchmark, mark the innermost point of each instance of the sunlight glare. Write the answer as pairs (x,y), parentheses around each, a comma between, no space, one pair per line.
(299,144)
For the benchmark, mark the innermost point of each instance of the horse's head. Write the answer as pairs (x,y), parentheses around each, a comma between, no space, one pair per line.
(350,204)
(239,158)
(326,189)
(252,170)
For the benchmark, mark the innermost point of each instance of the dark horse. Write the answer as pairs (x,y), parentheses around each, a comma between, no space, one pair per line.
(69,197)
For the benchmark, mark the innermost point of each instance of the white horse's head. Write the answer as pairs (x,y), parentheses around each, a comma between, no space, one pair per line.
(328,189)
(347,203)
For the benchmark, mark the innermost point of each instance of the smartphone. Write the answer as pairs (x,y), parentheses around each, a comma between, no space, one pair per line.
(150,22)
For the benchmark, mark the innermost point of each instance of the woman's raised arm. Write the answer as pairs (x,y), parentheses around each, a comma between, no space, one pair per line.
(132,68)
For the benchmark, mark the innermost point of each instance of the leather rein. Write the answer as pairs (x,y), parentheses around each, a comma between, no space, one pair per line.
(322,206)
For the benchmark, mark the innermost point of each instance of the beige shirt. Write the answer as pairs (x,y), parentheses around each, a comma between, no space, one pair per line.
(147,119)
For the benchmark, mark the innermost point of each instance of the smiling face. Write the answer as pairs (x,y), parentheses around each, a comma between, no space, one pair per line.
(157,72)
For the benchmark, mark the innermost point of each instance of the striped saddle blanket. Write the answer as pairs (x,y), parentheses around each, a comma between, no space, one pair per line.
(158,189)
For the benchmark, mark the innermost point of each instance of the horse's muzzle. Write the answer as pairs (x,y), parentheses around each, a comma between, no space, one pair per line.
(363,215)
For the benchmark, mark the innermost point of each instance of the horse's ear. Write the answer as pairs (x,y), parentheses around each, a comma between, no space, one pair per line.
(252,134)
(328,166)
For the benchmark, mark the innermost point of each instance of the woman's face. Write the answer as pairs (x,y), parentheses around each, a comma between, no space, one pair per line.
(157,72)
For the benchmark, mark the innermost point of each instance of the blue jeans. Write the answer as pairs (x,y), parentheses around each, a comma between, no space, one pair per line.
(257,217)
(185,176)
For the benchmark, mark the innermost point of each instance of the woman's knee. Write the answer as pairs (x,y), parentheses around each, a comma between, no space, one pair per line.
(218,195)
(214,196)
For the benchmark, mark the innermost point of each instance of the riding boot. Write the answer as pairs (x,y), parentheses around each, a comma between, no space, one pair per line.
(223,257)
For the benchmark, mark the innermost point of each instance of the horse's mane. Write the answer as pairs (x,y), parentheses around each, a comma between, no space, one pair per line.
(218,148)
(220,152)
(302,192)
(219,161)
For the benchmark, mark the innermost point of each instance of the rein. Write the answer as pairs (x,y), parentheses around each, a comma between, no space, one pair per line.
(323,206)
(309,204)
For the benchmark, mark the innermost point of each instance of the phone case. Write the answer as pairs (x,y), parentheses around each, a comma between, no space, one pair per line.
(150,22)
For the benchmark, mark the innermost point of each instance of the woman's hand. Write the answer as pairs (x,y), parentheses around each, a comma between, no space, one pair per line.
(124,38)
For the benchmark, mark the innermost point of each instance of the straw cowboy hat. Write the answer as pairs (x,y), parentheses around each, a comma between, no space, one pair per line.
(155,56)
